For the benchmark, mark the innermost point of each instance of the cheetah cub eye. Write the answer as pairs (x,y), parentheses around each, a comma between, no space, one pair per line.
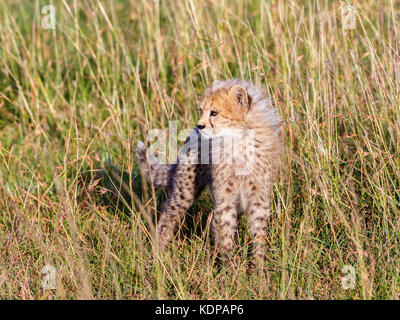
(213,113)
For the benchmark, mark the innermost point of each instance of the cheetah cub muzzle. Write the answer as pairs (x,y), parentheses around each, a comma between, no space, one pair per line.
(235,149)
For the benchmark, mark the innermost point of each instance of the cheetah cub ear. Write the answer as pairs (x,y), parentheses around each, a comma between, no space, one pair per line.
(239,94)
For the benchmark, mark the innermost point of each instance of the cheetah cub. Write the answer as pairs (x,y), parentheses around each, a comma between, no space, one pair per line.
(235,149)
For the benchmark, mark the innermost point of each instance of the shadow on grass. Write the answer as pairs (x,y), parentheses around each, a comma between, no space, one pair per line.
(122,193)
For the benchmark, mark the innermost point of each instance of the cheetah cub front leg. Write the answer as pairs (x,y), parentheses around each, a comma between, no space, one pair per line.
(224,222)
(258,214)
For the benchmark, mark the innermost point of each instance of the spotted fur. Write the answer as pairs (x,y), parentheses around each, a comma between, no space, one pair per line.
(232,104)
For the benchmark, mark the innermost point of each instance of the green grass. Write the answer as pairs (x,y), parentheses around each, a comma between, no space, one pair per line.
(74,101)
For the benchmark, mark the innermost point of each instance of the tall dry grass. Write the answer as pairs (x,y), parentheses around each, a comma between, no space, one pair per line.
(74,101)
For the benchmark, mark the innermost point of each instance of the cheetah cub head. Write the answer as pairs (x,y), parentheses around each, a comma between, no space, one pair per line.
(223,107)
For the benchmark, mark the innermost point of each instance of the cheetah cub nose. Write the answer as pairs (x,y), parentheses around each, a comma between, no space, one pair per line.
(201,126)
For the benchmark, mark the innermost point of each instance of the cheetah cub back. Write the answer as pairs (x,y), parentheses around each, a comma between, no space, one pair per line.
(235,149)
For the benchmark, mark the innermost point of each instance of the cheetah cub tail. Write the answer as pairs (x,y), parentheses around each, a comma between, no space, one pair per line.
(157,172)
(141,151)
